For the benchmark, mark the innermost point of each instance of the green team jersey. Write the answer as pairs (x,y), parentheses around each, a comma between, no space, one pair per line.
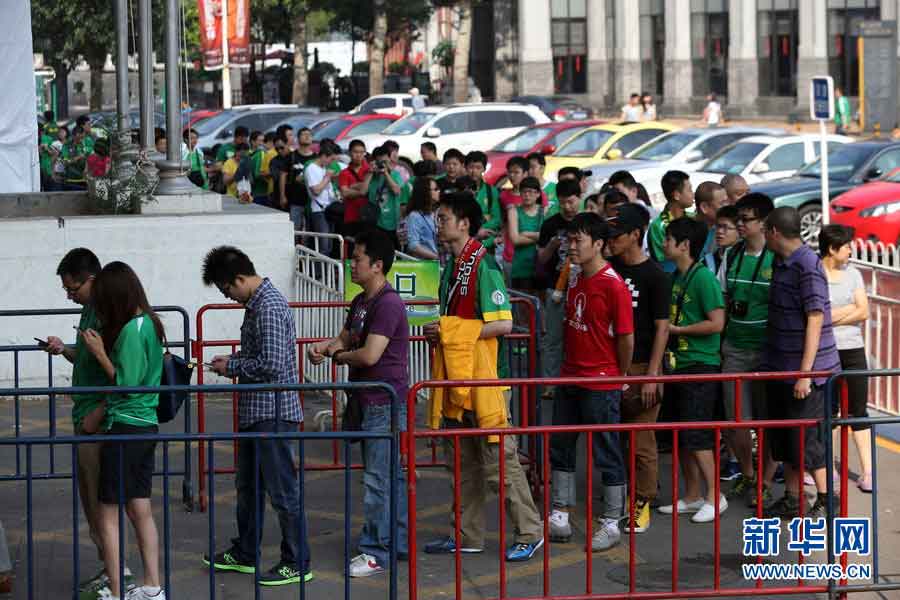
(86,371)
(138,360)
(698,293)
(225,152)
(387,201)
(198,165)
(489,200)
(88,144)
(74,170)
(745,280)
(525,257)
(260,186)
(657,237)
(552,200)
(46,159)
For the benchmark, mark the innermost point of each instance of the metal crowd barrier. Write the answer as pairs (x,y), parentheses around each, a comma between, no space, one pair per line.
(28,444)
(182,346)
(837,384)
(544,432)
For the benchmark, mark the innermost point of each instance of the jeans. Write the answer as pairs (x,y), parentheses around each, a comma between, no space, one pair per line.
(297,216)
(276,475)
(552,351)
(319,224)
(375,537)
(580,406)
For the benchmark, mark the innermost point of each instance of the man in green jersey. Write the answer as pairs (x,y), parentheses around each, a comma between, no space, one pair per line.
(696,319)
(745,275)
(488,199)
(536,166)
(74,158)
(676,187)
(388,192)
(77,270)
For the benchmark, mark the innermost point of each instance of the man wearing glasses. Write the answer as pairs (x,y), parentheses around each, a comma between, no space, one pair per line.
(77,270)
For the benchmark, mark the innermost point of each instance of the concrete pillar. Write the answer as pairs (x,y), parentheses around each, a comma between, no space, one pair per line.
(506,43)
(145,74)
(628,50)
(601,90)
(677,69)
(743,62)
(812,50)
(535,53)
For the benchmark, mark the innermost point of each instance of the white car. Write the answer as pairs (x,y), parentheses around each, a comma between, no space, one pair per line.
(763,158)
(465,127)
(385,104)
(684,150)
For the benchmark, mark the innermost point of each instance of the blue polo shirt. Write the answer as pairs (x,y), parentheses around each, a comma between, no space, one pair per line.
(799,287)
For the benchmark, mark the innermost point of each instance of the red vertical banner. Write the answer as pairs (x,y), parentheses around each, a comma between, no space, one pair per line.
(211,32)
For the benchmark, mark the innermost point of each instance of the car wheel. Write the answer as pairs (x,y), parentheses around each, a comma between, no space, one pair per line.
(810,223)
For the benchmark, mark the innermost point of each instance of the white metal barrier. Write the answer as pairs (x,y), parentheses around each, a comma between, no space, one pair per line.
(880,266)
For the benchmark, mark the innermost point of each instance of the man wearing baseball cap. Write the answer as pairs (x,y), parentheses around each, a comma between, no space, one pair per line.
(650,292)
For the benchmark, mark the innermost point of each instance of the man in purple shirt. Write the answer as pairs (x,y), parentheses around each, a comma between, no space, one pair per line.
(374,343)
(799,338)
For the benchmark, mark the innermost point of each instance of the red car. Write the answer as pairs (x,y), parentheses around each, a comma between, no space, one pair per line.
(348,127)
(190,119)
(544,138)
(873,209)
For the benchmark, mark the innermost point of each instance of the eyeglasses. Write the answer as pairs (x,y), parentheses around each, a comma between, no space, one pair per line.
(746,220)
(442,219)
(224,289)
(71,291)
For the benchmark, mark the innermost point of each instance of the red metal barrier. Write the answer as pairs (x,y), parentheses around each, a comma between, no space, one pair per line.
(200,344)
(630,429)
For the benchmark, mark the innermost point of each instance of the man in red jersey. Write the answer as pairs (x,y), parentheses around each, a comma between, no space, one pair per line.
(599,340)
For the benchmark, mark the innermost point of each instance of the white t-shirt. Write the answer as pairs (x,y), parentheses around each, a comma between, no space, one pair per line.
(842,293)
(314,174)
(714,113)
(631,114)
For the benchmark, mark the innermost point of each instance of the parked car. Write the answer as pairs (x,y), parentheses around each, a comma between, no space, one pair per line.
(190,118)
(386,104)
(873,210)
(349,127)
(601,143)
(848,167)
(255,117)
(313,121)
(683,150)
(544,138)
(557,108)
(100,119)
(763,158)
(466,127)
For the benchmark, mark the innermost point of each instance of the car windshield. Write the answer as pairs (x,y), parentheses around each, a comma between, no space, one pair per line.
(410,124)
(523,141)
(208,126)
(586,144)
(329,129)
(843,162)
(665,147)
(734,159)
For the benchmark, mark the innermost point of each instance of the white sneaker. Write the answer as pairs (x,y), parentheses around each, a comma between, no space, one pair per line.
(683,507)
(707,512)
(607,536)
(364,565)
(560,530)
(142,593)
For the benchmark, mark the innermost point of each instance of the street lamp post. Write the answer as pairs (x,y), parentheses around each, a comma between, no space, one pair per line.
(145,74)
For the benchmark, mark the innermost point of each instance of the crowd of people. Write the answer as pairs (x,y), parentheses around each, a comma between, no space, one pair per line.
(718,281)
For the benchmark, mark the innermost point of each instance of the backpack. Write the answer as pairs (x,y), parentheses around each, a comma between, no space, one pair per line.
(175,371)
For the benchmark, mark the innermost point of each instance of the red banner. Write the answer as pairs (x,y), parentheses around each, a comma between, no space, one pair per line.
(211,32)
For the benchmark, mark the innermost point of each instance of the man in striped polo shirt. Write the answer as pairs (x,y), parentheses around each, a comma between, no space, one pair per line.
(799,338)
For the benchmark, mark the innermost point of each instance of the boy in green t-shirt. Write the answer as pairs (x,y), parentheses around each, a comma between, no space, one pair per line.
(536,166)
(744,276)
(388,192)
(696,319)
(488,199)
(676,187)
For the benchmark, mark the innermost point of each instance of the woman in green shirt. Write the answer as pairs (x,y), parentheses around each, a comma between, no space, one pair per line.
(130,352)
(524,222)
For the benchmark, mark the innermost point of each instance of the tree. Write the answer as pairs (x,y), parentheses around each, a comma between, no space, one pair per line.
(301,75)
(376,48)
(463,45)
(51,24)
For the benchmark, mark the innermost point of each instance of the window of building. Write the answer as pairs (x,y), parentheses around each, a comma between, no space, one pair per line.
(568,37)
(844,17)
(778,39)
(653,45)
(709,46)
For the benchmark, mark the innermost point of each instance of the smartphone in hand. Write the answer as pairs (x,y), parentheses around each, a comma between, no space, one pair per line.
(42,344)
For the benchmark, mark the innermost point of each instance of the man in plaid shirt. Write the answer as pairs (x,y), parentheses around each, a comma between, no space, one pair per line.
(267,355)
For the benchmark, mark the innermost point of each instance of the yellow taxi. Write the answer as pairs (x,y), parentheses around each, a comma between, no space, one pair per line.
(602,143)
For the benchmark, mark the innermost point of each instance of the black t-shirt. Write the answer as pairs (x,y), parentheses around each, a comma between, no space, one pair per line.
(553,227)
(651,290)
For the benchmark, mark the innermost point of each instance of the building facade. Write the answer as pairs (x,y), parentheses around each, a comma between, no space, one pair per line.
(756,55)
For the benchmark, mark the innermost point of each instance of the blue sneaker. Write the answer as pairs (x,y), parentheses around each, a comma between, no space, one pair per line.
(729,470)
(523,552)
(448,546)
(778,477)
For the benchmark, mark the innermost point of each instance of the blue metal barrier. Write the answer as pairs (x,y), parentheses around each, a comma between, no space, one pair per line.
(836,393)
(301,437)
(184,344)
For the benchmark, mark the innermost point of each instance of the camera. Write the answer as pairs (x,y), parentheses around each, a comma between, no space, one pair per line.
(737,308)
(381,165)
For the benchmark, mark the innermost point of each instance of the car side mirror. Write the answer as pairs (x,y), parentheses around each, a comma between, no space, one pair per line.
(760,168)
(548,149)
(873,173)
(614,154)
(433,132)
(693,156)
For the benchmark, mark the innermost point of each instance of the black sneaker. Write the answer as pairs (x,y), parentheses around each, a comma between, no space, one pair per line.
(230,560)
(283,574)
(819,508)
(787,507)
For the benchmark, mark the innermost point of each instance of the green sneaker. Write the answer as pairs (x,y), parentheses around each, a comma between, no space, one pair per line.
(230,561)
(740,486)
(283,574)
(767,497)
